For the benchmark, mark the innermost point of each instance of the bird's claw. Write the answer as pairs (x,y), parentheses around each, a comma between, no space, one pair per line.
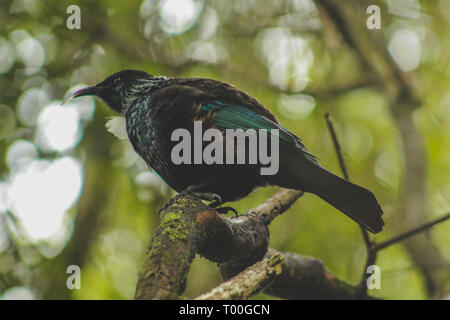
(208,196)
(225,210)
(216,200)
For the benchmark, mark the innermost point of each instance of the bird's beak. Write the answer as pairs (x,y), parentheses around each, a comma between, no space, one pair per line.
(88,91)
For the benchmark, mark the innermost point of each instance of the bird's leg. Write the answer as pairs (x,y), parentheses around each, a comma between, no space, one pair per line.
(222,210)
(225,210)
(209,196)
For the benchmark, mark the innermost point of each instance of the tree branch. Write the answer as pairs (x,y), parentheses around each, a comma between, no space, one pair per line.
(277,204)
(336,90)
(368,243)
(307,278)
(410,233)
(250,281)
(238,245)
(188,225)
(171,251)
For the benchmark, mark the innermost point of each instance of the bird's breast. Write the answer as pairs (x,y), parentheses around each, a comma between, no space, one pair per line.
(150,134)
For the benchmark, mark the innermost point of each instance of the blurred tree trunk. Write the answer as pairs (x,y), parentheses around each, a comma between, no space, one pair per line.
(90,217)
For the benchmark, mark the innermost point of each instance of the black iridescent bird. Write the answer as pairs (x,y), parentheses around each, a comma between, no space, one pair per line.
(155,106)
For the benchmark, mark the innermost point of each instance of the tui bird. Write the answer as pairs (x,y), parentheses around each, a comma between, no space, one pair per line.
(154,106)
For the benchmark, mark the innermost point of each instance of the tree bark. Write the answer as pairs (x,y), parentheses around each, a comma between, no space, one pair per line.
(238,245)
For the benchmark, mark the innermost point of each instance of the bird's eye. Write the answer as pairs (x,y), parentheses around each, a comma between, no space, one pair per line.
(116,81)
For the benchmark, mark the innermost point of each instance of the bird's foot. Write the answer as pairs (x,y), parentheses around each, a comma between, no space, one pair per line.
(208,196)
(216,200)
(222,210)
(225,210)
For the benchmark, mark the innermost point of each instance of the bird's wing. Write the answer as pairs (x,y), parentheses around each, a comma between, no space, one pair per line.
(223,109)
(228,93)
(228,116)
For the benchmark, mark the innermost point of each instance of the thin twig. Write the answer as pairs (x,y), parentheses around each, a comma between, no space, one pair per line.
(371,254)
(403,98)
(277,204)
(411,232)
(371,246)
(337,147)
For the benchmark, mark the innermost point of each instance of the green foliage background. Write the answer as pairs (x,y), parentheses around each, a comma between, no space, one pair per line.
(115,216)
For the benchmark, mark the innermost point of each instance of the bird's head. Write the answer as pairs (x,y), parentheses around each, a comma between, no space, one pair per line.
(121,89)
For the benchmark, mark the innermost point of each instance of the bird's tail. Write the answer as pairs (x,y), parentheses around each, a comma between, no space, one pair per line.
(356,202)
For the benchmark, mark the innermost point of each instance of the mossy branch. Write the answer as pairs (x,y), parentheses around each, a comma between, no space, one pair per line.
(250,281)
(238,245)
(171,251)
